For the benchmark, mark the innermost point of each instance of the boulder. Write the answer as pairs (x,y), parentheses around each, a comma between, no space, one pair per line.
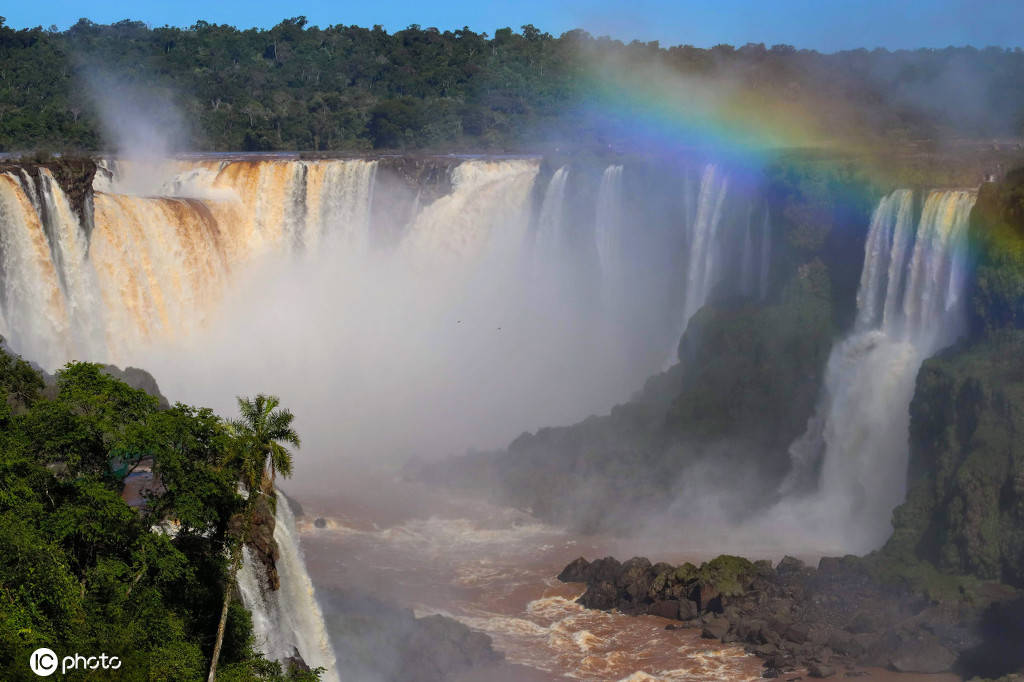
(706,595)
(576,572)
(922,654)
(295,664)
(716,628)
(797,633)
(790,566)
(820,670)
(604,570)
(635,578)
(601,595)
(687,610)
(665,608)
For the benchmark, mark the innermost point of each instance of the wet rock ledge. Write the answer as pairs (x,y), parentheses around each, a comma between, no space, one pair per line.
(826,620)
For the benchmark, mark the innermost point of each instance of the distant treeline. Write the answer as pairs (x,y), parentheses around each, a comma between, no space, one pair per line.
(301,87)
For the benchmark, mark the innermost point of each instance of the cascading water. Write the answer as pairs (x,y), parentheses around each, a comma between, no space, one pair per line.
(909,305)
(181,269)
(288,619)
(608,226)
(48,298)
(766,255)
(551,221)
(702,271)
(153,268)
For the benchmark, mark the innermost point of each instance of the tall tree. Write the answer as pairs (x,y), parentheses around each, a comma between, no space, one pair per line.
(261,438)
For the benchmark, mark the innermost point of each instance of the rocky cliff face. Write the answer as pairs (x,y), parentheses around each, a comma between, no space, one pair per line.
(965,510)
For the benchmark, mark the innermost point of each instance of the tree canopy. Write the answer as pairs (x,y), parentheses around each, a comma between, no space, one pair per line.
(83,570)
(347,88)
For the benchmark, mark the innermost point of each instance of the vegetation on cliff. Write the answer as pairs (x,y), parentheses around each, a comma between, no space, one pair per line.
(964,512)
(81,569)
(296,86)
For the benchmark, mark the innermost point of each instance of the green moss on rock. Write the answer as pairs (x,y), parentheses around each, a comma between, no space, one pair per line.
(965,508)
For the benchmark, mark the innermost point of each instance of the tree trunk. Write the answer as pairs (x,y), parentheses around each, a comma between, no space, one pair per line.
(236,560)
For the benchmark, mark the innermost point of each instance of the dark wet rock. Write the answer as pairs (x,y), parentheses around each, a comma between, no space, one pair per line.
(576,572)
(635,579)
(666,608)
(820,670)
(797,633)
(295,664)
(794,616)
(140,379)
(604,596)
(707,596)
(716,628)
(866,621)
(260,539)
(320,522)
(922,654)
(790,566)
(604,570)
(687,610)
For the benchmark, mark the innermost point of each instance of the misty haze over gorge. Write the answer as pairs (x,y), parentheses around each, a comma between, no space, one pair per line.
(444,345)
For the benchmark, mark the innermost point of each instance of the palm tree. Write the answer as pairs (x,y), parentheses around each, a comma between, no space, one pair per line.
(260,435)
(260,453)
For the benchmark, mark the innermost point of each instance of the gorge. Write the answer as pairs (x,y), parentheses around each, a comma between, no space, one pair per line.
(381,295)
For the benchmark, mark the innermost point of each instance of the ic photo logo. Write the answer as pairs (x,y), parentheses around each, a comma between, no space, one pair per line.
(44,662)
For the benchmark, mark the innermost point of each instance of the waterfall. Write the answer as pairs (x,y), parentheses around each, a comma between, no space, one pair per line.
(747,256)
(909,306)
(48,296)
(608,224)
(486,213)
(703,251)
(338,199)
(766,254)
(289,618)
(702,272)
(550,222)
(154,268)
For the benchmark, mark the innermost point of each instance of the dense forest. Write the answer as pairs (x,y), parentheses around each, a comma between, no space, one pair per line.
(82,569)
(346,88)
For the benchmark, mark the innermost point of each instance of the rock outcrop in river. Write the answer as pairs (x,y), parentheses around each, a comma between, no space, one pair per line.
(825,620)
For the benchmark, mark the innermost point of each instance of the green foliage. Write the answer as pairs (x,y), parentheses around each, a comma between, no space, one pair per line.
(303,87)
(964,512)
(258,437)
(81,569)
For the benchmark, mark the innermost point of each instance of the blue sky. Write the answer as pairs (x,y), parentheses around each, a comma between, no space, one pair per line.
(825,25)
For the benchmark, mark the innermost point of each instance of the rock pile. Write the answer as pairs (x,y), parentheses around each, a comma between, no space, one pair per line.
(794,617)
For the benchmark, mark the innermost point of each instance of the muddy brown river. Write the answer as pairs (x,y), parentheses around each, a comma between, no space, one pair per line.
(494,569)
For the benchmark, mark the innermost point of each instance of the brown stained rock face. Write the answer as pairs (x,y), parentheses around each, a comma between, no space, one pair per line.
(261,541)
